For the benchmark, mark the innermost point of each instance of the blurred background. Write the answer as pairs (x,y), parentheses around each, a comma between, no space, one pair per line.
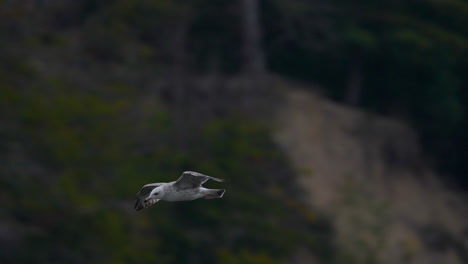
(340,125)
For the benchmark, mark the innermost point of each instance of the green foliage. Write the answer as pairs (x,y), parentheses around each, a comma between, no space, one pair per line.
(359,38)
(89,151)
(246,257)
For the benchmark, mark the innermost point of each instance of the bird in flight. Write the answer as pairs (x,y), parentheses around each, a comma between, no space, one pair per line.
(188,187)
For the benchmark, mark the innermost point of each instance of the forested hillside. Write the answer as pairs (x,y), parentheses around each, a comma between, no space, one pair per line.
(98,98)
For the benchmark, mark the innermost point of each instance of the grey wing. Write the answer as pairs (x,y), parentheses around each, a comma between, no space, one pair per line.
(141,202)
(191,179)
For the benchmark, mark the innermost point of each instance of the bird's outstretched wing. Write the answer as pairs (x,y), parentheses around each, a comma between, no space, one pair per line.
(191,179)
(141,202)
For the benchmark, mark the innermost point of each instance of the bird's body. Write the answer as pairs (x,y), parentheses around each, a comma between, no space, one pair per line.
(173,195)
(188,187)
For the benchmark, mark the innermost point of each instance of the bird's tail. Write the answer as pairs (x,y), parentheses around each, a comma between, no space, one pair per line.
(215,193)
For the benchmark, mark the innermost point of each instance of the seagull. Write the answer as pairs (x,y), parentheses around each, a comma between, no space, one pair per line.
(188,187)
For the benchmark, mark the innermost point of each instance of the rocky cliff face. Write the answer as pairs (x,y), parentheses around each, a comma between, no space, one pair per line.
(368,174)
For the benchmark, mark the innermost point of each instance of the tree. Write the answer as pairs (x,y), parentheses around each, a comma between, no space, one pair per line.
(254,61)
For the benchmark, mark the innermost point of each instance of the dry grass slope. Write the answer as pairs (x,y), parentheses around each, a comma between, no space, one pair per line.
(368,173)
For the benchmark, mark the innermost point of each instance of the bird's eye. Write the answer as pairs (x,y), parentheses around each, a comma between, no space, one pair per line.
(156,193)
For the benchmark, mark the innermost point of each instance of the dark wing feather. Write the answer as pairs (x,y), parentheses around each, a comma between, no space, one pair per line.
(191,179)
(140,202)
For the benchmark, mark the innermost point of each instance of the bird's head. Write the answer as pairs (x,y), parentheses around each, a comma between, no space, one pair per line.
(155,194)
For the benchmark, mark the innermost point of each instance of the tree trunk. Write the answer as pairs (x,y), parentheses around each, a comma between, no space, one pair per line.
(253,64)
(354,87)
(253,53)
